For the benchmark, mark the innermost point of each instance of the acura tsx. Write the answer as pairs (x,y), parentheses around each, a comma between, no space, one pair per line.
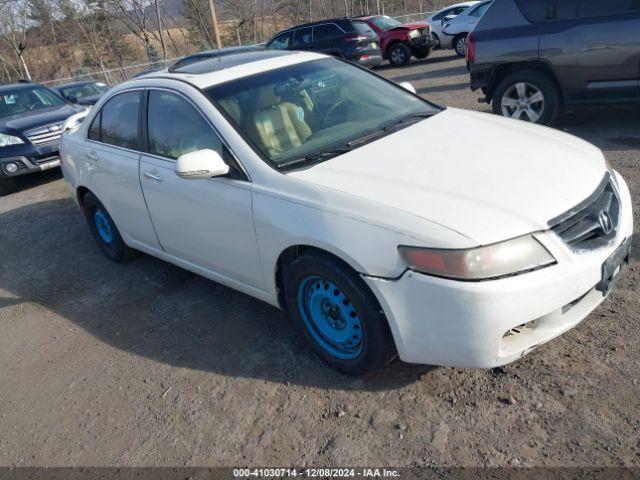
(301,180)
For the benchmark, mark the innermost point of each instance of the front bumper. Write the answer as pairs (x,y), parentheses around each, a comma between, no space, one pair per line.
(31,160)
(422,43)
(478,324)
(446,41)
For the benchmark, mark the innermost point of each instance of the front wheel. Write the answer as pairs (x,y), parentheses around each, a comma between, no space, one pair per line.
(527,95)
(399,55)
(104,231)
(337,314)
(460,45)
(422,52)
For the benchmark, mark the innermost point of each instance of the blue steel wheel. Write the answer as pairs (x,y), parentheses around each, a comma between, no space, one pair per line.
(103,225)
(336,313)
(330,317)
(104,230)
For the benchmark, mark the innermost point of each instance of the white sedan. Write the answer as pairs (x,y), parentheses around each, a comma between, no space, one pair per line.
(302,180)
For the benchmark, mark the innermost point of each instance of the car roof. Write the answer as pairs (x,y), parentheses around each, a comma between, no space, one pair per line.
(213,71)
(312,24)
(76,84)
(461,4)
(12,87)
(221,52)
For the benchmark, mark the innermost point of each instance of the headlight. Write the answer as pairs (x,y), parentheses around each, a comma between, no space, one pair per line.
(6,140)
(519,255)
(414,34)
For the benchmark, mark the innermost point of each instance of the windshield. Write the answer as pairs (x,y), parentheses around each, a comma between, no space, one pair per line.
(85,90)
(305,110)
(27,99)
(385,23)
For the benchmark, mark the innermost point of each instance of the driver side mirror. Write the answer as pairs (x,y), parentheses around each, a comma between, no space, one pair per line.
(201,164)
(410,88)
(72,99)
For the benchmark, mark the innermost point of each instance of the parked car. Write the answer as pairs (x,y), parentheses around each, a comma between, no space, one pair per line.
(399,41)
(83,93)
(339,37)
(196,57)
(299,179)
(455,30)
(31,118)
(565,54)
(439,18)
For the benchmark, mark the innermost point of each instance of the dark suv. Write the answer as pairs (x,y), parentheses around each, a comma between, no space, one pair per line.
(340,37)
(31,119)
(532,57)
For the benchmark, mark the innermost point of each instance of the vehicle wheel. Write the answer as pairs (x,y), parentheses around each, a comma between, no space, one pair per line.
(460,44)
(527,95)
(7,186)
(399,55)
(437,40)
(421,53)
(338,314)
(104,231)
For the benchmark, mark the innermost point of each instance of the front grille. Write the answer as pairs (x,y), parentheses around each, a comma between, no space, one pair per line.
(46,134)
(592,223)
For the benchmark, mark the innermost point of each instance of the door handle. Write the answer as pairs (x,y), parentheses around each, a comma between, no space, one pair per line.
(153,176)
(92,155)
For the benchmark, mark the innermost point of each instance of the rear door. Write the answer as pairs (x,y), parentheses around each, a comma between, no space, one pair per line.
(112,151)
(594,46)
(205,222)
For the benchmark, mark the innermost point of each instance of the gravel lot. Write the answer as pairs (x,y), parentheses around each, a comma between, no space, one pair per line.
(147,364)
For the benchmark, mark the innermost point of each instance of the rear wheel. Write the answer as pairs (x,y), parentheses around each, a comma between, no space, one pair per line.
(460,45)
(337,313)
(527,95)
(104,231)
(399,55)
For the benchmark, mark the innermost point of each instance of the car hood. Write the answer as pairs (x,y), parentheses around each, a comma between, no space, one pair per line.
(409,26)
(37,118)
(483,176)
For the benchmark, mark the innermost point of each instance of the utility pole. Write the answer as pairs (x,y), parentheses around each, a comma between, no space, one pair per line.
(214,20)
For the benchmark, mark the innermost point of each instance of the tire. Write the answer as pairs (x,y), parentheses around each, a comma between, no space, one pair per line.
(437,39)
(399,55)
(337,314)
(421,53)
(7,186)
(536,85)
(104,230)
(460,45)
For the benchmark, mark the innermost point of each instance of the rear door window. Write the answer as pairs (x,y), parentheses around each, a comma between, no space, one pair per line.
(302,37)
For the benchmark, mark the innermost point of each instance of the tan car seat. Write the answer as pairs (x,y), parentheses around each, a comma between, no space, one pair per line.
(280,126)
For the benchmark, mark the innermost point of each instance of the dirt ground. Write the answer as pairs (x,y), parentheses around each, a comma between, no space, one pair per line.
(147,364)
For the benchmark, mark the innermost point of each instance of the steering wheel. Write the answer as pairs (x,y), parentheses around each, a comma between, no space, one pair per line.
(336,106)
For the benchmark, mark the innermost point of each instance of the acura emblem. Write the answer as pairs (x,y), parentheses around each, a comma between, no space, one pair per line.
(605,222)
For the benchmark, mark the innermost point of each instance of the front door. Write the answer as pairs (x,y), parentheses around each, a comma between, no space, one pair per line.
(206,222)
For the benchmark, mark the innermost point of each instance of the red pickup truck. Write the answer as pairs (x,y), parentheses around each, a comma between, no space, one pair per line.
(400,41)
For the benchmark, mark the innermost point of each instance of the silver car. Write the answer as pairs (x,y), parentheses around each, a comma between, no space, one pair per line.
(441,17)
(455,31)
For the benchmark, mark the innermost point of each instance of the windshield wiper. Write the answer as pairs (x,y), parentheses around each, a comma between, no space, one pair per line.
(314,157)
(393,126)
